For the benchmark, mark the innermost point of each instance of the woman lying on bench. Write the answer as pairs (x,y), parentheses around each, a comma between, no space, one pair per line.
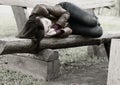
(60,21)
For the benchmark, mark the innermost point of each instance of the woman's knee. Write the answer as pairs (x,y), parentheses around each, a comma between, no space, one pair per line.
(92,32)
(90,20)
(79,14)
(96,32)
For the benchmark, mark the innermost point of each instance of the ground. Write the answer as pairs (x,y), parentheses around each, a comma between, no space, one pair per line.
(95,74)
(92,74)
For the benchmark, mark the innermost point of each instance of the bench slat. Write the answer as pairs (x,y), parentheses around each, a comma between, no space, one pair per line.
(23,3)
(114,63)
(84,4)
(20,16)
(16,45)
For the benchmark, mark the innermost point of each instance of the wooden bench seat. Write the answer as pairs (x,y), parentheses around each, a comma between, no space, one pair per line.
(86,4)
(16,45)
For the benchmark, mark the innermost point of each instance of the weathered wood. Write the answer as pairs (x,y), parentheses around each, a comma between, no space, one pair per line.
(92,51)
(109,35)
(20,16)
(117,7)
(104,50)
(84,4)
(23,3)
(16,45)
(114,63)
(107,48)
(97,50)
(33,65)
(97,3)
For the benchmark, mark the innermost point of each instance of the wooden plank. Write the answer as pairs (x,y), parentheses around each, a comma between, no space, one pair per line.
(23,3)
(96,4)
(103,51)
(16,45)
(107,48)
(117,7)
(97,50)
(20,16)
(114,63)
(84,4)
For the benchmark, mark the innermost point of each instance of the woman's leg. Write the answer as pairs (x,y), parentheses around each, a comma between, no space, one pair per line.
(79,14)
(81,22)
(78,29)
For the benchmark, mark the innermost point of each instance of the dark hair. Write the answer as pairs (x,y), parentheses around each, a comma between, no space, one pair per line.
(39,23)
(39,33)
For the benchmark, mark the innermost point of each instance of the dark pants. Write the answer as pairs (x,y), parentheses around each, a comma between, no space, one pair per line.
(82,22)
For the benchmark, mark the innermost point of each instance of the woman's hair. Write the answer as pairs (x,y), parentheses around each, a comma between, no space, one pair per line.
(39,23)
(39,34)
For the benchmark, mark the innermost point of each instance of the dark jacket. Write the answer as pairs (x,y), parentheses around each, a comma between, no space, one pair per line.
(55,13)
(52,12)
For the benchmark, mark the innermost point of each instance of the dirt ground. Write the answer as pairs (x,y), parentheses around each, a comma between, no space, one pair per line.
(77,68)
(76,74)
(71,73)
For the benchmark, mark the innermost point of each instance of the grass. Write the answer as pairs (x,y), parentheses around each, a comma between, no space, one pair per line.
(8,77)
(79,54)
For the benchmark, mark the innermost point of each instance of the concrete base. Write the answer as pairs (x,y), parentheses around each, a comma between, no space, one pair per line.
(46,69)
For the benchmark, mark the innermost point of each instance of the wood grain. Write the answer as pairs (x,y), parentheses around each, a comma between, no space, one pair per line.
(16,45)
(84,4)
(114,63)
(20,16)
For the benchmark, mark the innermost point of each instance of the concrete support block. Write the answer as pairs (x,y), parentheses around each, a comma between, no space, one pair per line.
(44,65)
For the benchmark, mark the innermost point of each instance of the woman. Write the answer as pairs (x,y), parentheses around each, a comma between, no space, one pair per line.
(62,15)
(51,19)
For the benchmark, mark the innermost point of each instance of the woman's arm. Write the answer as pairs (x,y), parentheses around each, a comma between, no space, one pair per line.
(57,11)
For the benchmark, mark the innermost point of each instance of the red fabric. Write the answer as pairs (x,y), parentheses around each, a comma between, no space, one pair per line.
(56,26)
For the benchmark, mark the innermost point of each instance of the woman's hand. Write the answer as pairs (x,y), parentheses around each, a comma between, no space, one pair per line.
(51,33)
